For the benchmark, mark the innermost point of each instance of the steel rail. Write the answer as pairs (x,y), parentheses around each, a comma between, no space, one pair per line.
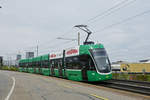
(132,86)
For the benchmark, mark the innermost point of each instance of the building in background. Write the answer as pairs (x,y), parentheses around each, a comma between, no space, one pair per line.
(145,61)
(18,57)
(29,55)
(116,65)
(136,68)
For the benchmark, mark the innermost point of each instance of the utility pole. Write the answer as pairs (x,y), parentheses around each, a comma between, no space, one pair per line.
(78,38)
(37,50)
(7,60)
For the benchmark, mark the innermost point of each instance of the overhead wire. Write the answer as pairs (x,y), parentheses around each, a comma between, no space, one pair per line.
(52,49)
(48,42)
(56,45)
(123,21)
(112,11)
(108,10)
(68,32)
(57,42)
(30,48)
(105,13)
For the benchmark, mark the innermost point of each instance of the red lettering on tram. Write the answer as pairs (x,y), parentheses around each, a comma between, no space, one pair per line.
(72,51)
(53,55)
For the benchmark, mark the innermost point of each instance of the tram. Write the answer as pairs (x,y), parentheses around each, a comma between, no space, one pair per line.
(87,62)
(81,63)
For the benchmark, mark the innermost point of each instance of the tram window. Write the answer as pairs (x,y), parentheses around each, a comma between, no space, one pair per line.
(52,63)
(45,63)
(20,65)
(27,65)
(60,63)
(69,63)
(76,63)
(91,64)
(36,64)
(73,63)
(30,64)
(39,63)
(33,63)
(55,64)
(86,61)
(24,64)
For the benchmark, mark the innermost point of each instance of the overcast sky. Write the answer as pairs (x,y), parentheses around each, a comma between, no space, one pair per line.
(27,23)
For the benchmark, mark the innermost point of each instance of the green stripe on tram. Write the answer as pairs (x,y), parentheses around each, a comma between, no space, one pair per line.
(75,75)
(45,71)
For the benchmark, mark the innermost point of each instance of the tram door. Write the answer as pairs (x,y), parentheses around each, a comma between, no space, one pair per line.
(84,73)
(52,68)
(34,67)
(60,68)
(39,64)
(84,64)
(64,64)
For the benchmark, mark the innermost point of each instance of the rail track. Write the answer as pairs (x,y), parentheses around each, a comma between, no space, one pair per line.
(132,86)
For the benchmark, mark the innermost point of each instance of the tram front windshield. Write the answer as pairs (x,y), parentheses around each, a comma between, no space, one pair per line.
(101,60)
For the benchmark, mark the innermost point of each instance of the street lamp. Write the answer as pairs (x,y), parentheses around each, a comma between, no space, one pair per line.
(66,39)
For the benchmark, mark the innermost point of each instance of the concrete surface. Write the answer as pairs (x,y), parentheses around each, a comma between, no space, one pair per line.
(38,87)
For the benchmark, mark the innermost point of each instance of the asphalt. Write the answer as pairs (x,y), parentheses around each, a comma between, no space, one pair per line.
(38,87)
(5,85)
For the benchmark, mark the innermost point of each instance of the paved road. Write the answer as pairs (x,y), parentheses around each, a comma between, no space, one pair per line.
(37,87)
(5,85)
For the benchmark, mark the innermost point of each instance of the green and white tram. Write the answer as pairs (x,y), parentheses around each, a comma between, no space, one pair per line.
(88,62)
(81,63)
